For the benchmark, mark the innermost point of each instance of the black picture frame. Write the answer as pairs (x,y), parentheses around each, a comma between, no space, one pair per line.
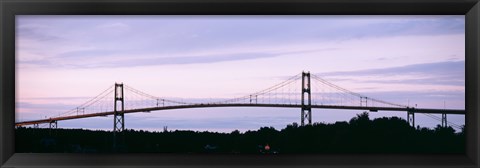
(10,8)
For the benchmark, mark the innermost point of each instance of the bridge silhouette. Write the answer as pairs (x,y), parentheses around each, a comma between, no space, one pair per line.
(305,91)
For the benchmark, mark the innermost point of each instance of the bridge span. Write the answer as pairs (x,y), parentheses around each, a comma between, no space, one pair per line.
(296,92)
(372,109)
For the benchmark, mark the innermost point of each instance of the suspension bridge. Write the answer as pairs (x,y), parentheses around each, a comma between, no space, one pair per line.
(304,91)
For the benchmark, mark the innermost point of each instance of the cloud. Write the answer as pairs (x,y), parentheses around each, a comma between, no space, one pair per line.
(110,37)
(328,28)
(134,62)
(439,73)
(234,56)
(193,59)
(88,53)
(43,62)
(101,58)
(447,80)
(428,68)
(56,98)
(46,108)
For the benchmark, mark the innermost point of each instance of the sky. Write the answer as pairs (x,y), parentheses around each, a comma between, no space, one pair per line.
(63,61)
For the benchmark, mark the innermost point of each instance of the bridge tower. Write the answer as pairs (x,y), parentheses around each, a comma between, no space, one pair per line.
(306,94)
(53,124)
(411,118)
(118,116)
(444,120)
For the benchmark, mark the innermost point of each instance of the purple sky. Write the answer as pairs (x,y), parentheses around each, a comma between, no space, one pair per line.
(62,61)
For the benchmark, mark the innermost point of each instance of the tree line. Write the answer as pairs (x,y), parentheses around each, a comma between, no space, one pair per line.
(359,135)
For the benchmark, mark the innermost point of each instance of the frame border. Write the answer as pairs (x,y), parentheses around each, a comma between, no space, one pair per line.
(10,8)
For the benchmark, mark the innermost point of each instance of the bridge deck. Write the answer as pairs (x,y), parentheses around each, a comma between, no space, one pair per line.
(414,110)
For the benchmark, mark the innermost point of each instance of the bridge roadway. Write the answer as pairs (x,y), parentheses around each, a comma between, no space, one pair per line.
(373,109)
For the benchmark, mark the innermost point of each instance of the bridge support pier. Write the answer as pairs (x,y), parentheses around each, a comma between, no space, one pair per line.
(53,125)
(363,100)
(35,125)
(118,116)
(306,94)
(253,98)
(411,118)
(444,120)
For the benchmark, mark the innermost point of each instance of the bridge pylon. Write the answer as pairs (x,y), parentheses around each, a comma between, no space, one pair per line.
(444,120)
(411,118)
(53,124)
(118,115)
(306,96)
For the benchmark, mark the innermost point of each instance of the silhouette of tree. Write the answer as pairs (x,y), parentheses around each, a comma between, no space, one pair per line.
(359,135)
